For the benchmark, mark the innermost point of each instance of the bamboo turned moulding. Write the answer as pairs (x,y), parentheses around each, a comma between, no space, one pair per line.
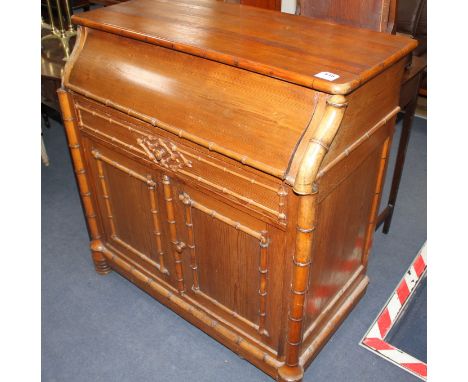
(230,162)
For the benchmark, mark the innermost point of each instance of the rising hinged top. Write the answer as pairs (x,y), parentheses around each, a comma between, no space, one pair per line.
(292,48)
(148,59)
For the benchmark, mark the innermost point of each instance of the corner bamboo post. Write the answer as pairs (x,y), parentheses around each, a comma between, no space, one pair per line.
(69,121)
(304,186)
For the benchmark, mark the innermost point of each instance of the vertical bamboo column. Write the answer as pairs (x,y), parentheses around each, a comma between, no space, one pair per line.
(185,198)
(376,201)
(177,246)
(105,195)
(262,290)
(69,121)
(157,226)
(304,186)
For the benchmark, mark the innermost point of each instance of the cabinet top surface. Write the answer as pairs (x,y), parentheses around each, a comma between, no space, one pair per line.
(288,47)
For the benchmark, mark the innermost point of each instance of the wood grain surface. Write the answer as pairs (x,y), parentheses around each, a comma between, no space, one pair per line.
(217,177)
(275,44)
(225,105)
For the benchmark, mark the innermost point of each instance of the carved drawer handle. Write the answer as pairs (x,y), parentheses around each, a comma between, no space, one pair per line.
(164,153)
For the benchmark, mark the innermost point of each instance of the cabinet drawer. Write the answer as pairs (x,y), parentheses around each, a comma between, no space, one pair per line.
(197,165)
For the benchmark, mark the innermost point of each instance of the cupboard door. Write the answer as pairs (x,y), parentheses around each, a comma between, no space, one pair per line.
(226,255)
(215,255)
(130,201)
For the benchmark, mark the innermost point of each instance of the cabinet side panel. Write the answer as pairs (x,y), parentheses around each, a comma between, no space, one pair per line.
(342,224)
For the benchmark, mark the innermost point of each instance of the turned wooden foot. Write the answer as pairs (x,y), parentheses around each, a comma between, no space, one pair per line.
(100,262)
(290,374)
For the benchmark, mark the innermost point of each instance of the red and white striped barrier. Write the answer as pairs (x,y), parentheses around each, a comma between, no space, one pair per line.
(374,339)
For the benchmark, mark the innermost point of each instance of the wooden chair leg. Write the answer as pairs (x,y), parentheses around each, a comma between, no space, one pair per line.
(45,118)
(44,156)
(409,110)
